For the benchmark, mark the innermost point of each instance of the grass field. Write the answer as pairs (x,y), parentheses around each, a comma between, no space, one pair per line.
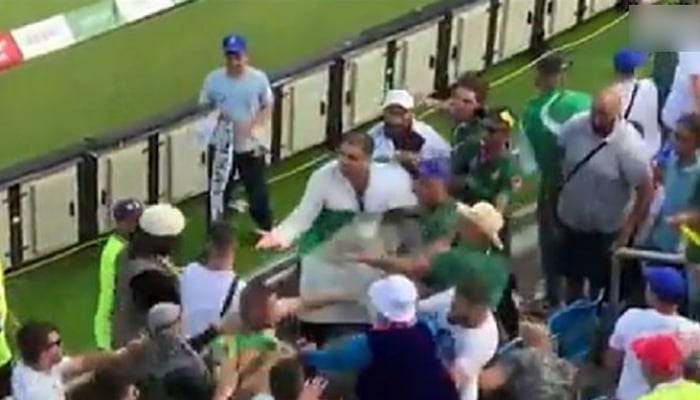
(149,67)
(65,290)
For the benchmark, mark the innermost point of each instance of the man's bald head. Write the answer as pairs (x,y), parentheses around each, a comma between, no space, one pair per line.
(605,111)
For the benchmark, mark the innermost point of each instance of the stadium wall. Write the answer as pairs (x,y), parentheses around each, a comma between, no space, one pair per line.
(63,199)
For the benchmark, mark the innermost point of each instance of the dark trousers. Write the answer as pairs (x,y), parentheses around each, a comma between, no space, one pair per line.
(251,170)
(5,379)
(585,256)
(548,235)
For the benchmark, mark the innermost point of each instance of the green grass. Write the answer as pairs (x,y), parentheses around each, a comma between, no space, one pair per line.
(65,290)
(17,13)
(149,67)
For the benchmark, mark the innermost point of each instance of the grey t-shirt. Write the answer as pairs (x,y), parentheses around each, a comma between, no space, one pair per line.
(596,198)
(532,375)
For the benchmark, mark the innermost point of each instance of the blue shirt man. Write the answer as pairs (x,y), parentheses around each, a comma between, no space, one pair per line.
(244,99)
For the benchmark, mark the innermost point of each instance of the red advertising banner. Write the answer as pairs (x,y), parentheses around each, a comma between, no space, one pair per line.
(9,52)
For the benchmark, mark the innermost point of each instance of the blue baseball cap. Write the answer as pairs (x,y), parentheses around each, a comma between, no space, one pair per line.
(434,168)
(127,208)
(666,282)
(626,60)
(234,44)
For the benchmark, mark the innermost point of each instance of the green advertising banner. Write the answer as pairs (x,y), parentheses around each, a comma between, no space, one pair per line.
(93,20)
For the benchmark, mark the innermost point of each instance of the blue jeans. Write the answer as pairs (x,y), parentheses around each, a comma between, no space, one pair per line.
(548,240)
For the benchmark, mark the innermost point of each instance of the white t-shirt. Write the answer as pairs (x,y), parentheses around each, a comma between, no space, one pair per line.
(645,110)
(681,99)
(30,384)
(474,347)
(202,292)
(632,324)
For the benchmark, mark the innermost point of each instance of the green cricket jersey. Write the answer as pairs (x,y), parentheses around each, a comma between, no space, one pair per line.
(484,179)
(448,267)
(438,221)
(540,124)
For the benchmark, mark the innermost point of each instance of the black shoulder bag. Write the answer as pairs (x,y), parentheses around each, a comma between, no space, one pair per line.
(229,297)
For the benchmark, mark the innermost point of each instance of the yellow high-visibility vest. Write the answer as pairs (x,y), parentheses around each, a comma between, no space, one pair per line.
(5,352)
(681,389)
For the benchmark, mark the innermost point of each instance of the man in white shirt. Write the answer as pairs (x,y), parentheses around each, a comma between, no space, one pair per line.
(684,97)
(403,138)
(466,331)
(44,372)
(666,289)
(338,192)
(640,98)
(211,288)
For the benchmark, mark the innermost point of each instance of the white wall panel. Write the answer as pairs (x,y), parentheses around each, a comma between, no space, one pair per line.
(470,29)
(600,6)
(366,85)
(415,60)
(53,212)
(187,162)
(516,28)
(122,173)
(561,15)
(309,109)
(4,229)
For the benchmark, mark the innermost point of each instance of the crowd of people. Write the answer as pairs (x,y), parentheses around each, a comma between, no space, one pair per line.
(406,289)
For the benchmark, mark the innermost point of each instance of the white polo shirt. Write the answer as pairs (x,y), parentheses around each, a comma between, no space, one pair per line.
(30,384)
(473,347)
(202,292)
(435,145)
(681,99)
(644,110)
(634,323)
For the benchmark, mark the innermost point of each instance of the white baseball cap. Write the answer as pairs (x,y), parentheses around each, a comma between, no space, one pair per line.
(397,97)
(394,297)
(162,220)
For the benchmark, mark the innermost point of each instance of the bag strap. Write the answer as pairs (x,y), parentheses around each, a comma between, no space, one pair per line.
(582,163)
(229,296)
(633,97)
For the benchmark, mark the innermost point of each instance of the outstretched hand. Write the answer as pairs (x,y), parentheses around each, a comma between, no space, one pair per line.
(269,240)
(313,389)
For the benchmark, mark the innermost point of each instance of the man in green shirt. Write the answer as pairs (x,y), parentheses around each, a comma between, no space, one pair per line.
(466,106)
(126,215)
(542,118)
(437,215)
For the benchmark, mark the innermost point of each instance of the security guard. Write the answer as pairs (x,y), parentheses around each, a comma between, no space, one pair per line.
(125,214)
(5,352)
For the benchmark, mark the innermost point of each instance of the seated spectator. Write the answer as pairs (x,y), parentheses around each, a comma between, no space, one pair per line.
(398,357)
(666,289)
(466,330)
(661,362)
(403,138)
(44,372)
(533,371)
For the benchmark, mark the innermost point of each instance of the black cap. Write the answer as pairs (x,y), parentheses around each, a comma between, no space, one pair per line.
(127,208)
(552,64)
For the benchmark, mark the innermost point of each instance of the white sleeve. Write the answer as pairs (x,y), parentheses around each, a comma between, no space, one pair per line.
(621,332)
(204,95)
(691,62)
(266,96)
(308,208)
(479,347)
(437,303)
(400,193)
(435,145)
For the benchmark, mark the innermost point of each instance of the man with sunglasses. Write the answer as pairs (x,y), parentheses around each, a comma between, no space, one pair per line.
(403,138)
(44,372)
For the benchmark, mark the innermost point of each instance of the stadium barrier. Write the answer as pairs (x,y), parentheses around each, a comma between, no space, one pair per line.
(63,199)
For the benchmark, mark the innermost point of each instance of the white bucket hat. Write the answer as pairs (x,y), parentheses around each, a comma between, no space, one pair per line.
(397,97)
(485,216)
(394,297)
(162,220)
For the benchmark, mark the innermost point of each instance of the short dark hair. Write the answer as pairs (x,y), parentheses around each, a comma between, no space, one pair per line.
(253,303)
(473,81)
(286,379)
(691,121)
(221,236)
(472,287)
(33,339)
(361,140)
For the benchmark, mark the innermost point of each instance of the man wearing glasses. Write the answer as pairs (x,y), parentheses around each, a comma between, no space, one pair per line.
(44,372)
